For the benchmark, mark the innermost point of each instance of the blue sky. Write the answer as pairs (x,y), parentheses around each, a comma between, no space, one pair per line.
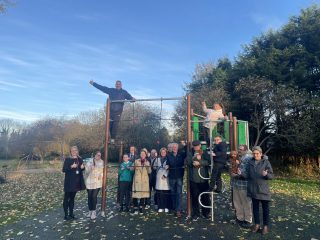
(49,50)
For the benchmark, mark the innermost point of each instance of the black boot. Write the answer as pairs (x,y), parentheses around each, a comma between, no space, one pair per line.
(66,217)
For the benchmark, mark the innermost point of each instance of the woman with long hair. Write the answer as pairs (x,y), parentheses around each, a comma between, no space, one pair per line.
(73,181)
(93,180)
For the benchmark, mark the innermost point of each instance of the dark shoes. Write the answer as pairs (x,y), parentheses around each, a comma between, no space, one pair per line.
(245,224)
(255,228)
(265,230)
(69,217)
(127,209)
(121,209)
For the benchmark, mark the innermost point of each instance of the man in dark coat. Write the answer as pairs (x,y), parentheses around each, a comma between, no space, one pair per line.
(175,164)
(116,108)
(219,159)
(198,159)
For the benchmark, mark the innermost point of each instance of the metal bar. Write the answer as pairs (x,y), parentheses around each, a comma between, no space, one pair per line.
(211,206)
(188,150)
(235,135)
(212,210)
(198,115)
(148,100)
(105,170)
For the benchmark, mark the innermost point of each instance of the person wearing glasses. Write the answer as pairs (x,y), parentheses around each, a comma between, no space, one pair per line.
(258,173)
(94,176)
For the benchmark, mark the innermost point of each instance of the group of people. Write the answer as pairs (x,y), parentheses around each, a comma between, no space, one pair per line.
(140,174)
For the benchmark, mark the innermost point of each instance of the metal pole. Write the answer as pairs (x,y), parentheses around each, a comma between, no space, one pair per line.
(148,99)
(235,135)
(230,130)
(188,150)
(105,170)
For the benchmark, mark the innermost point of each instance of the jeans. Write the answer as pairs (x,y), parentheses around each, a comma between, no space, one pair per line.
(68,202)
(176,193)
(124,192)
(216,176)
(114,124)
(92,198)
(265,211)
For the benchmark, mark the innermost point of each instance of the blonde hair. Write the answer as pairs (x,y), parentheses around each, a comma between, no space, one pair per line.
(163,149)
(257,148)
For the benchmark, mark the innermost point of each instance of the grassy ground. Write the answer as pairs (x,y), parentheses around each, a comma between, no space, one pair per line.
(35,199)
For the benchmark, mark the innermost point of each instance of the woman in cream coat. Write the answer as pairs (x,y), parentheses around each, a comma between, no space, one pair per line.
(140,187)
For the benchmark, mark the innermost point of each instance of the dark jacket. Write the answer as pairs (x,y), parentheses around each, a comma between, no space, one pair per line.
(132,158)
(204,169)
(176,165)
(258,185)
(73,182)
(114,94)
(221,153)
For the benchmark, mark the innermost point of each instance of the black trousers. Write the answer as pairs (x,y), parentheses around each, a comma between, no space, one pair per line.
(163,197)
(68,202)
(92,198)
(114,123)
(195,190)
(216,176)
(124,192)
(152,186)
(141,204)
(265,211)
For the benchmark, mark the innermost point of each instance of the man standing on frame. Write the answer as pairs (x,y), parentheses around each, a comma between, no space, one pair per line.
(116,108)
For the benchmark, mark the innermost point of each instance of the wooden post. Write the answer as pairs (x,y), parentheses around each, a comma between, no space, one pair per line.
(189,136)
(105,170)
(121,151)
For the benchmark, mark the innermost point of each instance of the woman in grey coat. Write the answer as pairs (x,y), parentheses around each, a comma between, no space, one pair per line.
(258,172)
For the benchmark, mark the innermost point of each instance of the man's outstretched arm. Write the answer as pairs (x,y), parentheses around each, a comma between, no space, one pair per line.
(101,88)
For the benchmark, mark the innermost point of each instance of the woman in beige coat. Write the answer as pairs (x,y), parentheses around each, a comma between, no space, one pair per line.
(140,187)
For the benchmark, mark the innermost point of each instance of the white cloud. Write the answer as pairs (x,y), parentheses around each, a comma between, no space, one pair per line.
(20,115)
(12,84)
(15,60)
(266,22)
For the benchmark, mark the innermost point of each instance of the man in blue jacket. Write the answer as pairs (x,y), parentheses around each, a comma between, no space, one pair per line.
(116,108)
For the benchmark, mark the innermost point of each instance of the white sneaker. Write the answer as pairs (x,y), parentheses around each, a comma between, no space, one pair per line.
(88,215)
(93,215)
(166,210)
(160,210)
(147,207)
(136,212)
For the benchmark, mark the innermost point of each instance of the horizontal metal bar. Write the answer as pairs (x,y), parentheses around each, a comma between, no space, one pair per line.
(148,99)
